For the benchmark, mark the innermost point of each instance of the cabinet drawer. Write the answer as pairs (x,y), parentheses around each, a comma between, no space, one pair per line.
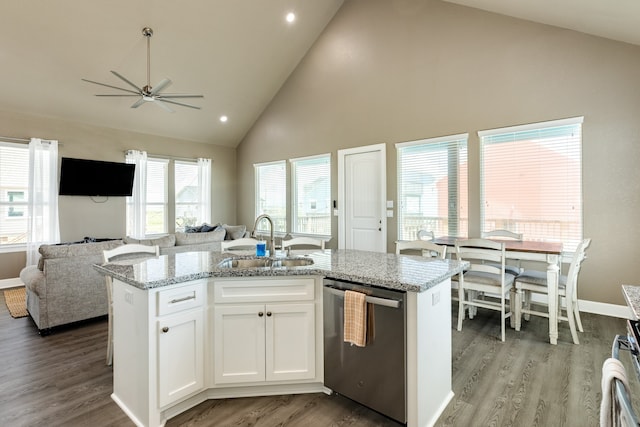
(180,298)
(264,290)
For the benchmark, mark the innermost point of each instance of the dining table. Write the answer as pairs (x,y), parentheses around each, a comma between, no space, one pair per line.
(529,250)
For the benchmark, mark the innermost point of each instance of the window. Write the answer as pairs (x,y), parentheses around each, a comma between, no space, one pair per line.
(187,194)
(531,180)
(432,187)
(14,185)
(271,194)
(311,195)
(157,196)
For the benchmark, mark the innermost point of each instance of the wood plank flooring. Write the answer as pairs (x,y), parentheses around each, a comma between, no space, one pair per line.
(61,380)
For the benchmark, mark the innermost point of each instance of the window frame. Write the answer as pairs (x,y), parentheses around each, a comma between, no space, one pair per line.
(257,167)
(197,202)
(295,164)
(545,129)
(23,205)
(165,204)
(458,227)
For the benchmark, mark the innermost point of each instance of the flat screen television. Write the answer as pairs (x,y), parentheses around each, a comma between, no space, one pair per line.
(80,177)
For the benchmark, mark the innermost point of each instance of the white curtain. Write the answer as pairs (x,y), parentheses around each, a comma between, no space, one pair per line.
(43,226)
(204,184)
(136,204)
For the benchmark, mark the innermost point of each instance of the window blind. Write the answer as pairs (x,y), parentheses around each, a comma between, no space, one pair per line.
(271,194)
(187,194)
(157,196)
(311,196)
(531,180)
(14,186)
(432,186)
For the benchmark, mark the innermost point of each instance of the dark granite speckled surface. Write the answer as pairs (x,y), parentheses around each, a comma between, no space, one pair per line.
(632,295)
(402,272)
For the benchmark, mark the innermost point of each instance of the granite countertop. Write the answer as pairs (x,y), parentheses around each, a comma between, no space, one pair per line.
(632,296)
(403,272)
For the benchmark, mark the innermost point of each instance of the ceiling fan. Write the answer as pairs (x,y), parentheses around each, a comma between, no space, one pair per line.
(148,93)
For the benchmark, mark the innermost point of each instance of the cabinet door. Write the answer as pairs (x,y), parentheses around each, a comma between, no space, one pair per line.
(290,341)
(239,343)
(180,355)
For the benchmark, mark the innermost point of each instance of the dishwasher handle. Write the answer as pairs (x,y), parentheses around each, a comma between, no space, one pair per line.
(386,302)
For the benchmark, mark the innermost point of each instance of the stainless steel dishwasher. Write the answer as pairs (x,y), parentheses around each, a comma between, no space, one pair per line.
(374,375)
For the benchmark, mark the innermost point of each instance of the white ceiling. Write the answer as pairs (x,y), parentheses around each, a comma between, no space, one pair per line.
(612,19)
(237,53)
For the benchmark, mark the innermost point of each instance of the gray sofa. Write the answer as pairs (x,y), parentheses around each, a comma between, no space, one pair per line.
(65,288)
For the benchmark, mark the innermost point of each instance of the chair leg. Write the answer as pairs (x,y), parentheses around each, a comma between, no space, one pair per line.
(461,309)
(572,324)
(526,303)
(503,319)
(576,313)
(110,342)
(518,309)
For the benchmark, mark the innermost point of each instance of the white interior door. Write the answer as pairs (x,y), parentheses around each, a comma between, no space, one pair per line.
(362,192)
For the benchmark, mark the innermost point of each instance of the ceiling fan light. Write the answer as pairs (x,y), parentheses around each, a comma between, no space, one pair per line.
(148,98)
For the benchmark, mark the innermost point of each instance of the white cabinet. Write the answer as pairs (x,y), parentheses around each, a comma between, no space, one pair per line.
(180,355)
(180,338)
(270,337)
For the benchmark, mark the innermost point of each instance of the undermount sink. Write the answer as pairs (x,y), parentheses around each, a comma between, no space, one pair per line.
(265,262)
(292,262)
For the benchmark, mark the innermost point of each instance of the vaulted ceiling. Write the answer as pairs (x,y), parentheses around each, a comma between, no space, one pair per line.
(237,53)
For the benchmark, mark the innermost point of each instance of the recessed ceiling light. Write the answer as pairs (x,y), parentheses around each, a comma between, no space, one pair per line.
(291,17)
(223,119)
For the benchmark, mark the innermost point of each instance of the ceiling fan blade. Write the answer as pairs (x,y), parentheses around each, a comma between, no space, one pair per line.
(121,77)
(178,103)
(178,95)
(164,83)
(138,103)
(112,87)
(163,105)
(136,95)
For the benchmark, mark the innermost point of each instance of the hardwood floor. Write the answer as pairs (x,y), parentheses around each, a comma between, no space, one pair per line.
(61,380)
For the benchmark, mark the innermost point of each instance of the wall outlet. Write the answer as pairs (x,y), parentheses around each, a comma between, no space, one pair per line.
(128,297)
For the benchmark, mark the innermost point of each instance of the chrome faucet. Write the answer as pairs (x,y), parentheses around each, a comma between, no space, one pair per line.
(272,243)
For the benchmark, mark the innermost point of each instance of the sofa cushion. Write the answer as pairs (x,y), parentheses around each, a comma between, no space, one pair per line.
(234,231)
(75,250)
(162,242)
(183,239)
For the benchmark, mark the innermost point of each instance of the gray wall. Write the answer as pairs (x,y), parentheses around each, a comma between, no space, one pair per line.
(390,71)
(80,216)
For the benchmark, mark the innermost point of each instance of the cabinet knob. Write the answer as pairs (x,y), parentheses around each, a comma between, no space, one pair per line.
(261,314)
(268,313)
(165,329)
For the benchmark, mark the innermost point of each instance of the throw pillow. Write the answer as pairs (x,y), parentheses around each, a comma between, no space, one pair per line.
(234,231)
(163,242)
(183,239)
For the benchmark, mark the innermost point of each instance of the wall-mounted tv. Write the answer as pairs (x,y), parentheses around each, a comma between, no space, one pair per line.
(80,177)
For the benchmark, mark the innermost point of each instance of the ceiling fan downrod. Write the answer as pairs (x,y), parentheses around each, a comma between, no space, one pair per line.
(148,32)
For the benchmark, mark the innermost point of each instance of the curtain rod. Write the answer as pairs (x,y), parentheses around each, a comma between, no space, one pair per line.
(8,138)
(21,140)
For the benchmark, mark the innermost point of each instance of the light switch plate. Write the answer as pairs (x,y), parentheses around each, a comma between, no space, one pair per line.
(390,204)
(389,213)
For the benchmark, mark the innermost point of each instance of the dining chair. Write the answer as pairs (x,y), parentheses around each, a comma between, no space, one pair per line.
(132,250)
(503,234)
(245,243)
(535,282)
(484,280)
(302,241)
(429,249)
(425,235)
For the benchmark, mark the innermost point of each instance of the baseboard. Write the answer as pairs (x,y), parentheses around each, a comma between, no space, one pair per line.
(10,283)
(602,308)
(605,309)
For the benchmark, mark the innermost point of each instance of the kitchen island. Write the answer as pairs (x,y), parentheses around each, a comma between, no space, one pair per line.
(194,326)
